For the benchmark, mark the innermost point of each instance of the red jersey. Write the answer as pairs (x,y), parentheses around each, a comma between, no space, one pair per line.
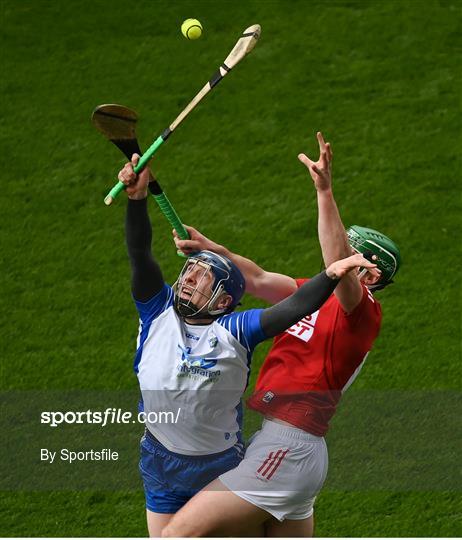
(313,362)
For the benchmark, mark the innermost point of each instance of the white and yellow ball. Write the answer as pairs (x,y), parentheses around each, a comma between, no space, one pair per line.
(191,29)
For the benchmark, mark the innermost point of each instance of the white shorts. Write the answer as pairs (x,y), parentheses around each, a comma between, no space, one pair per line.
(283,470)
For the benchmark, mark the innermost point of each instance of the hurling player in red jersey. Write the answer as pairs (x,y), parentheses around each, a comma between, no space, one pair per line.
(299,385)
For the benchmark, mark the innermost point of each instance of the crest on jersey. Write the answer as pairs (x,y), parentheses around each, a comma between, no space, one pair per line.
(195,362)
(197,367)
(268,397)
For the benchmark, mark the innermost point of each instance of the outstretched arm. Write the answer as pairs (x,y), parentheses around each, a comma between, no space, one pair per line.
(268,286)
(331,232)
(310,296)
(147,278)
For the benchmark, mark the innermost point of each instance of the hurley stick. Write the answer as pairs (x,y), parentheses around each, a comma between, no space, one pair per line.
(118,124)
(243,46)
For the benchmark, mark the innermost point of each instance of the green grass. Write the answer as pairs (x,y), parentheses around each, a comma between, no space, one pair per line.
(381,79)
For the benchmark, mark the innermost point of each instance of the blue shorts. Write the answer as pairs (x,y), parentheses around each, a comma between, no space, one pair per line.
(171,479)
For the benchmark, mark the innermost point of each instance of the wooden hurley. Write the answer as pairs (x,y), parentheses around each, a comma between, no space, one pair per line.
(118,124)
(244,45)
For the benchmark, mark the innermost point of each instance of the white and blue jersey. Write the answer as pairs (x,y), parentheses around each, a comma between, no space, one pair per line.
(198,372)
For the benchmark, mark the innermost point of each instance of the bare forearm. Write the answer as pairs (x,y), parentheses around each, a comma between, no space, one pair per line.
(334,246)
(249,269)
(331,232)
(268,286)
(199,242)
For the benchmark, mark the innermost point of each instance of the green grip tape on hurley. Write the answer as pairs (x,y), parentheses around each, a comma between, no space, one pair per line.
(146,157)
(120,186)
(169,212)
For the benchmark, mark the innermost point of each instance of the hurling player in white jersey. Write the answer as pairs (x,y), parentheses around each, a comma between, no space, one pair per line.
(193,357)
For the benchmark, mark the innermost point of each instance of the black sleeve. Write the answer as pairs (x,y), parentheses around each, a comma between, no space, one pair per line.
(147,278)
(306,300)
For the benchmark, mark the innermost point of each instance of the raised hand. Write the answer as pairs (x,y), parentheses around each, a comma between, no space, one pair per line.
(136,185)
(196,242)
(338,269)
(321,170)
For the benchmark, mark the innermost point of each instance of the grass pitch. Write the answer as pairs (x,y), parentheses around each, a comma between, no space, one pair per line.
(380,79)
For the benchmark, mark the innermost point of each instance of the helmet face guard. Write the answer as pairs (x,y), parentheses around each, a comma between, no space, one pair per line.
(387,252)
(223,277)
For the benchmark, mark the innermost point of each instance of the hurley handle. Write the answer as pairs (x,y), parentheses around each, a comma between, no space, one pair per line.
(172,217)
(169,212)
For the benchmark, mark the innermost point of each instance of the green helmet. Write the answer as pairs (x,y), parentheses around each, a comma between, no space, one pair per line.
(388,256)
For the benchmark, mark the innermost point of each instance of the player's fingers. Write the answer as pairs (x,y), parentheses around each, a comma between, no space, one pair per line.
(329,151)
(187,245)
(127,173)
(135,159)
(178,245)
(126,177)
(305,160)
(374,272)
(316,170)
(190,230)
(322,144)
(348,264)
(323,159)
(360,260)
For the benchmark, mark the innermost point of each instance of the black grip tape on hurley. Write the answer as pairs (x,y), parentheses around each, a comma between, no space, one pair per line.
(166,134)
(128,147)
(217,76)
(154,188)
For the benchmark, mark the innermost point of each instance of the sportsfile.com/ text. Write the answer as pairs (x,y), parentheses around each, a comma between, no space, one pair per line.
(110,415)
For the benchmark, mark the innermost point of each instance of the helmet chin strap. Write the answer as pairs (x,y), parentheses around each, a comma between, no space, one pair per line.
(188,310)
(378,286)
(191,311)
